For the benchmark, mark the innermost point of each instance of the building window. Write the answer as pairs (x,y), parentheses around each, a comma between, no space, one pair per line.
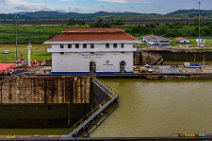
(69,45)
(122,52)
(122,45)
(61,53)
(84,45)
(92,52)
(107,62)
(92,45)
(77,46)
(115,45)
(61,46)
(107,45)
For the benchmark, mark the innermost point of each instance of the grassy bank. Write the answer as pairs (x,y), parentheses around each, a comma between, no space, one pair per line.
(29,33)
(39,52)
(193,43)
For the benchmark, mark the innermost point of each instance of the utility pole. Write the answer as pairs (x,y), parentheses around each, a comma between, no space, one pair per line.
(16,26)
(29,48)
(199,3)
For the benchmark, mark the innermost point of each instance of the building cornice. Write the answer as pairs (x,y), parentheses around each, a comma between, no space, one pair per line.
(95,42)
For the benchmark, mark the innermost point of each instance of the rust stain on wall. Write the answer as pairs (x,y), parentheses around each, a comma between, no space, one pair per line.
(45,89)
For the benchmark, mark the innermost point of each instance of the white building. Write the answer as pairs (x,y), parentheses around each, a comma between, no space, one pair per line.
(86,50)
(182,40)
(156,40)
(200,42)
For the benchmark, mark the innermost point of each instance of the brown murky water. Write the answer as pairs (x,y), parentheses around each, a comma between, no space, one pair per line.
(159,108)
(152,108)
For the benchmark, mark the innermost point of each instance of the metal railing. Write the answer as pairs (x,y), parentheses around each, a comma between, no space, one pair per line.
(112,96)
(106,87)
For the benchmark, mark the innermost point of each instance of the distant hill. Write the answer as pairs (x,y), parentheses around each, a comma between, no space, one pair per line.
(190,13)
(106,15)
(13,16)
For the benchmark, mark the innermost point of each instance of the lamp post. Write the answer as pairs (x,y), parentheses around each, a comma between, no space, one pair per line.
(16,28)
(199,3)
(29,47)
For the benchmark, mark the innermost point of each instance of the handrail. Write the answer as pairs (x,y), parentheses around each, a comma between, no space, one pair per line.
(106,84)
(88,115)
(112,96)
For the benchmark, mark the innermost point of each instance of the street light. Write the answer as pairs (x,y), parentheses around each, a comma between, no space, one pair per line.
(16,26)
(29,48)
(199,22)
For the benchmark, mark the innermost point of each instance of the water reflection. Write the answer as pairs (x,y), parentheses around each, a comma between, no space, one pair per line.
(159,108)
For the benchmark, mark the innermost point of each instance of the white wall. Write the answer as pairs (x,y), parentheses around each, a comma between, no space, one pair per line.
(80,62)
(98,47)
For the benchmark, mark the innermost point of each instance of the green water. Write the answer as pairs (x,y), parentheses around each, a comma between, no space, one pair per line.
(151,108)
(159,108)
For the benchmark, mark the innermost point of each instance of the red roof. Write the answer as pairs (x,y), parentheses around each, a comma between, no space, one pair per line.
(92,34)
(93,30)
(181,38)
(6,66)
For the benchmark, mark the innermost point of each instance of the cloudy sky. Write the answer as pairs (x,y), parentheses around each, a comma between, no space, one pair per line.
(85,6)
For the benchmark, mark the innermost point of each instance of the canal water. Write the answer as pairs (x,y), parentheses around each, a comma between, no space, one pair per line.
(159,108)
(151,108)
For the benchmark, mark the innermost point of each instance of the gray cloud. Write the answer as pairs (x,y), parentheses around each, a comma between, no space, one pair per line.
(27,8)
(73,9)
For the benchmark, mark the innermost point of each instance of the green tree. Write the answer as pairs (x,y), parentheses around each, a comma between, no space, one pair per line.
(101,23)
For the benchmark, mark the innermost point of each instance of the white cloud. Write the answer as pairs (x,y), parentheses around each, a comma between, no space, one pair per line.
(125,1)
(64,0)
(21,5)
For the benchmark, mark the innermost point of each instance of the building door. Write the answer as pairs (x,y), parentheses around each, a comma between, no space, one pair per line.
(122,66)
(92,67)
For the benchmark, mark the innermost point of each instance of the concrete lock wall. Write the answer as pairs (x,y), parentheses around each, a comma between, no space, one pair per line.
(41,115)
(185,56)
(44,102)
(51,89)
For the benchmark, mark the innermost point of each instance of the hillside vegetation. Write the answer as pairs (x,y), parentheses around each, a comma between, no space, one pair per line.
(106,15)
(39,34)
(33,34)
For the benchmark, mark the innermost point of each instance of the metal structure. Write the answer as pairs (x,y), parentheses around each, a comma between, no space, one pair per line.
(199,3)
(29,48)
(16,39)
(96,113)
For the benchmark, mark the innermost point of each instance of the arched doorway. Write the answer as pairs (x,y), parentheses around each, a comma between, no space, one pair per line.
(92,67)
(122,66)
